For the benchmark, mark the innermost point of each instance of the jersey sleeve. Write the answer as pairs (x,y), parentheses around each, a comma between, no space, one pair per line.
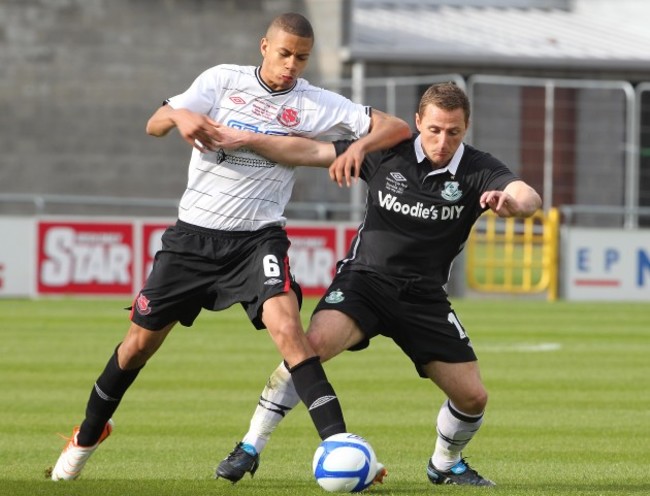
(340,118)
(496,175)
(201,96)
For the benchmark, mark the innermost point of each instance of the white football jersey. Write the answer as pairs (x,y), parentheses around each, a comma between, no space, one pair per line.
(241,190)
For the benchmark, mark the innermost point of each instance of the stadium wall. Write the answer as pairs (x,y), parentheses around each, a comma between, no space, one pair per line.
(80,78)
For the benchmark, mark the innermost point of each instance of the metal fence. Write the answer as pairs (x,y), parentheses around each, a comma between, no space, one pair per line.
(583,144)
(576,141)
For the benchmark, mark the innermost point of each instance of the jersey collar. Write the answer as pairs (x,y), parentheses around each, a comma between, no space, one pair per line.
(452,167)
(258,75)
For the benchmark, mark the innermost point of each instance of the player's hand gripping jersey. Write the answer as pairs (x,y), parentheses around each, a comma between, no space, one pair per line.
(239,190)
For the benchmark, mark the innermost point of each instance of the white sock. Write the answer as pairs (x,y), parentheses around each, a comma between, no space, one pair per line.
(277,399)
(455,431)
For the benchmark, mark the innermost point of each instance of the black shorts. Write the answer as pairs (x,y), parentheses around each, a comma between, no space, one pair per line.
(204,268)
(423,325)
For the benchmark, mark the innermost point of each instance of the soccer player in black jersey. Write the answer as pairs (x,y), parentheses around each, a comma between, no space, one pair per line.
(229,244)
(424,196)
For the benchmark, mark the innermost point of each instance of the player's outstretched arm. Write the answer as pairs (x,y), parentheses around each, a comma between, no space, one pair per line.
(386,131)
(287,150)
(518,199)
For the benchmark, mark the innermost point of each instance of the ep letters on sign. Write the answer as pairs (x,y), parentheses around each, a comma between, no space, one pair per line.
(606,264)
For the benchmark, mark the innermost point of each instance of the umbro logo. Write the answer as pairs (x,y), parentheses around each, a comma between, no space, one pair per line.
(237,100)
(398,176)
(321,401)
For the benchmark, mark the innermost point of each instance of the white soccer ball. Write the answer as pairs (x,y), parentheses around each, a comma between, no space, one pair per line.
(344,463)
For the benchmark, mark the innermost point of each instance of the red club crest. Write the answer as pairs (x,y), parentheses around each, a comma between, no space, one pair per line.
(142,305)
(289,117)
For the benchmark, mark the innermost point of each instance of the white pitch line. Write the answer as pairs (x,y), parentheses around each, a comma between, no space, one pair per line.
(531,348)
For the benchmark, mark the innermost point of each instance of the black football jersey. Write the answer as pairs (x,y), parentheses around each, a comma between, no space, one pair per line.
(417,219)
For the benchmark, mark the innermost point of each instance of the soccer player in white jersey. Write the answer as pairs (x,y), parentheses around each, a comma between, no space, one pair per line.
(424,196)
(229,244)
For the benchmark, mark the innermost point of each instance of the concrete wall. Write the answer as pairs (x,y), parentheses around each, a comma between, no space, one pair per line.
(80,78)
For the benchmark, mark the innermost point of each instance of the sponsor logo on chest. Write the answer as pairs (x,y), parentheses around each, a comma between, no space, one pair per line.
(418,209)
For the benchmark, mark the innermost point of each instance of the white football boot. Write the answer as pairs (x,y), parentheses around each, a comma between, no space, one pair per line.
(73,458)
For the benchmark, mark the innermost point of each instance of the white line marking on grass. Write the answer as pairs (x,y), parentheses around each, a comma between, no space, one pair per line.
(531,348)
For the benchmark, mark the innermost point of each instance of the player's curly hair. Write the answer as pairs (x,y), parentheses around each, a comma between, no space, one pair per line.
(447,96)
(292,23)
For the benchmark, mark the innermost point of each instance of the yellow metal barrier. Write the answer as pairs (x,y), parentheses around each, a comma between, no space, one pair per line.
(514,255)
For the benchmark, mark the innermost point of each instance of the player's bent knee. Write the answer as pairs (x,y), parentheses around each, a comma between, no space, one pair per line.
(317,343)
(290,340)
(331,332)
(471,401)
(287,332)
(475,403)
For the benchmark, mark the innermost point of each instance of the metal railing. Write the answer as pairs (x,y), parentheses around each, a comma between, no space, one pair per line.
(608,215)
(514,255)
(47,204)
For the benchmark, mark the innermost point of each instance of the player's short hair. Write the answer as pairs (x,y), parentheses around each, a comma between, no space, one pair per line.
(447,96)
(292,23)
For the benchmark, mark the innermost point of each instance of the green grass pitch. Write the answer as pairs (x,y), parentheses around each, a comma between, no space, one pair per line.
(569,409)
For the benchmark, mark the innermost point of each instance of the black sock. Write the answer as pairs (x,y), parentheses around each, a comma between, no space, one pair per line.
(318,395)
(104,400)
